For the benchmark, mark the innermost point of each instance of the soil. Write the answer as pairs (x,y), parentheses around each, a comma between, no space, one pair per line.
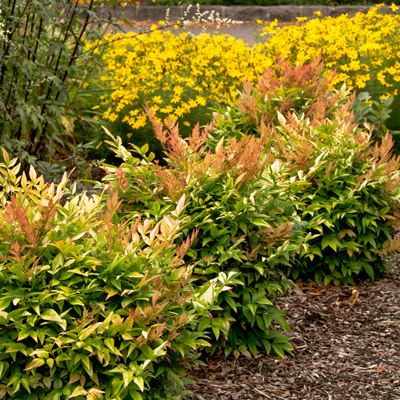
(346,346)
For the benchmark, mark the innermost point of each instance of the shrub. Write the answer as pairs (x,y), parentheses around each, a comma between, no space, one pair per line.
(43,69)
(347,190)
(281,89)
(241,221)
(91,306)
(351,197)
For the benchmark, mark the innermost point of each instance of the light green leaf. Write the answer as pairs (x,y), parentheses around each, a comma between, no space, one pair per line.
(51,315)
(79,391)
(140,382)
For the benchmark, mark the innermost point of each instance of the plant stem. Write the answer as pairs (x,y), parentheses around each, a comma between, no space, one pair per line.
(77,44)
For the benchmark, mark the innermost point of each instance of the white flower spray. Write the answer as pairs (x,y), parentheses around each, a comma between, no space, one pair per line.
(203,17)
(3,32)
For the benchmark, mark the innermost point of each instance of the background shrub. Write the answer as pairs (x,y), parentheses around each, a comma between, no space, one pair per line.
(90,306)
(282,89)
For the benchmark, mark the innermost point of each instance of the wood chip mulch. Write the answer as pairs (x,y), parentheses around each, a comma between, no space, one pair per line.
(346,346)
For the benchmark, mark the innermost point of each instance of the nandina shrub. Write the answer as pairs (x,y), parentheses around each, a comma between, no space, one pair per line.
(347,188)
(89,306)
(241,221)
(350,195)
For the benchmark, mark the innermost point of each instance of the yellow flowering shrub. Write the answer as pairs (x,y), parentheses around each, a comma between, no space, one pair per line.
(365,49)
(175,74)
(183,75)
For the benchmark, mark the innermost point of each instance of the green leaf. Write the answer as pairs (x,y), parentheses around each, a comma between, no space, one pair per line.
(135,395)
(230,301)
(204,324)
(278,350)
(330,241)
(369,270)
(4,365)
(5,302)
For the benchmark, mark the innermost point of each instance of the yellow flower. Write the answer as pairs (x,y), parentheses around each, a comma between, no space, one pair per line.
(157,100)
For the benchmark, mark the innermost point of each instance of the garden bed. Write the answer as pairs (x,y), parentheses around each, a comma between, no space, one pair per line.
(341,350)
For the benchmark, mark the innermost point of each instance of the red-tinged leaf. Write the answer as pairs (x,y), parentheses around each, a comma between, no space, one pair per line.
(79,391)
(37,362)
(181,205)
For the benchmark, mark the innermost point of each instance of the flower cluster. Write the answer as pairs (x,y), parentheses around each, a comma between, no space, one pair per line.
(365,49)
(207,16)
(175,74)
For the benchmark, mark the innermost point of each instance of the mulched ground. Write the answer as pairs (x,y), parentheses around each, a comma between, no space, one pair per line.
(341,350)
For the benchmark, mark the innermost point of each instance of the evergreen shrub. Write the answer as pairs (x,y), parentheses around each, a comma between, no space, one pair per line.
(92,307)
(347,187)
(241,222)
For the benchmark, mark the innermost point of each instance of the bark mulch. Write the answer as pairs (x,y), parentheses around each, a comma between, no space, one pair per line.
(346,346)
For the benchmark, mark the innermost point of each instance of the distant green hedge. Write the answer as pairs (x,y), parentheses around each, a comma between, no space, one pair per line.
(272,2)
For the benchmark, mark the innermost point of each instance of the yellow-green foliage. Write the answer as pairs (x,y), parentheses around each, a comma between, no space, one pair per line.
(365,49)
(92,306)
(176,74)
